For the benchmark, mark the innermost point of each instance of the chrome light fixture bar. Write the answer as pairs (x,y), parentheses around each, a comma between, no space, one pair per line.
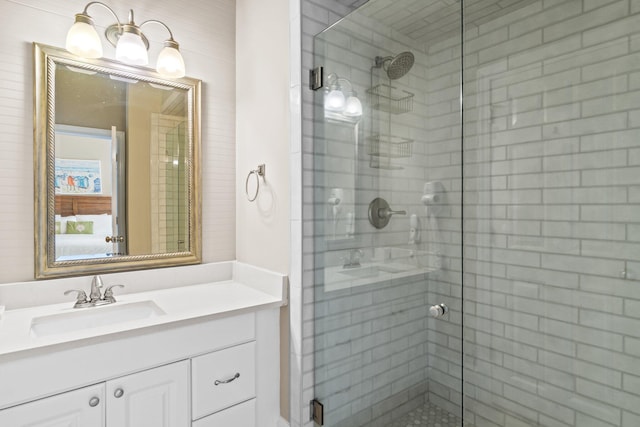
(130,42)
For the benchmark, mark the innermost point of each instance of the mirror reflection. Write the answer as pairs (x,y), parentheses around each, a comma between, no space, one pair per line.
(117,198)
(86,193)
(121,147)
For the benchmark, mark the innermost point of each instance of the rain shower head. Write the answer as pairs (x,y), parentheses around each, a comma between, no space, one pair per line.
(396,66)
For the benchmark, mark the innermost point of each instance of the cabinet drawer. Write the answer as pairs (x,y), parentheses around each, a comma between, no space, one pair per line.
(242,415)
(222,379)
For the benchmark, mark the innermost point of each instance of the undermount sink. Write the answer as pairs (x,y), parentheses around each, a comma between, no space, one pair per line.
(371,271)
(93,317)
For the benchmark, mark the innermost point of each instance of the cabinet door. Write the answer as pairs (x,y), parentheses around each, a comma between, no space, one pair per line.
(155,398)
(84,407)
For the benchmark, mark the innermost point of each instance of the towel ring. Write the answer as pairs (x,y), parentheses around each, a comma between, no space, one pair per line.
(259,172)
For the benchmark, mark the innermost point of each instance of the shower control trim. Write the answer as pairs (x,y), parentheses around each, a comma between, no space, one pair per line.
(438,310)
(380,213)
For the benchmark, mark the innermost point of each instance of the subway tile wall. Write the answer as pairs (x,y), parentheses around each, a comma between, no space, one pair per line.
(551,279)
(169,185)
(551,291)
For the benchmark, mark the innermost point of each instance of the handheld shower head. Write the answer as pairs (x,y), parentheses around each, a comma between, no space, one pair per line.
(396,66)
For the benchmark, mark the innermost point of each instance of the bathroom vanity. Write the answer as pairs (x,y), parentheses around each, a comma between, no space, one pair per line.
(200,355)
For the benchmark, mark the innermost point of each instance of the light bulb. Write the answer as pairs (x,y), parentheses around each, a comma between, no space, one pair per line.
(170,62)
(131,49)
(83,40)
(334,101)
(353,106)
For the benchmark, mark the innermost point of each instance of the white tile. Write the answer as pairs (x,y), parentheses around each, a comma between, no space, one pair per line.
(585,21)
(618,28)
(511,46)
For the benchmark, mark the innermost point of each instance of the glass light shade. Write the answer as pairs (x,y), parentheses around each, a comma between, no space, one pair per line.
(334,101)
(131,49)
(352,107)
(83,40)
(170,62)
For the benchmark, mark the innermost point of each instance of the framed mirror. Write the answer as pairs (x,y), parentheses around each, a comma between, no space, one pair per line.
(117,167)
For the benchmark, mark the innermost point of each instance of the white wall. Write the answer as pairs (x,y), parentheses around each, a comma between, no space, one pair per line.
(262,132)
(83,147)
(205,31)
(262,137)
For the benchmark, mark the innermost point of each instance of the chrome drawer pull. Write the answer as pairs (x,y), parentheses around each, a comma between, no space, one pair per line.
(218,382)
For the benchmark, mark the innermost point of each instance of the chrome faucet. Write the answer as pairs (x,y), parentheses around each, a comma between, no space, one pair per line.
(95,297)
(353,260)
(96,285)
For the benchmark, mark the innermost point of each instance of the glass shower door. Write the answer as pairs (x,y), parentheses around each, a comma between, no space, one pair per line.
(533,198)
(387,238)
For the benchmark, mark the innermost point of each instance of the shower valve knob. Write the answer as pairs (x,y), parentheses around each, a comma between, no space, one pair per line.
(438,310)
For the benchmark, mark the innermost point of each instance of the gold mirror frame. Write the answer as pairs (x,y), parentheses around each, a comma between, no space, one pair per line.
(46,58)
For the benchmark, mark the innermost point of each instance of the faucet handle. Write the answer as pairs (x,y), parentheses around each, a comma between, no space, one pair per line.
(108,293)
(81,299)
(353,259)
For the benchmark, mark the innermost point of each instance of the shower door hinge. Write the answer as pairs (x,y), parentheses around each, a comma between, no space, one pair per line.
(316,78)
(317,412)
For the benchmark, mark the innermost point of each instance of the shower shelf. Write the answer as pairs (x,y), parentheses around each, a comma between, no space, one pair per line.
(391,99)
(389,146)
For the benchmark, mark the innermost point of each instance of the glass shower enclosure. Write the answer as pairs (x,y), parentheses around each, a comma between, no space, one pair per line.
(476,214)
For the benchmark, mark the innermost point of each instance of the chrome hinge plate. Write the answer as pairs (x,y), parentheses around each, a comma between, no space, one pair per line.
(316,78)
(317,412)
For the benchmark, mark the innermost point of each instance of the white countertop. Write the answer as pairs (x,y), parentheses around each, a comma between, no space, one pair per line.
(396,264)
(206,300)
(338,278)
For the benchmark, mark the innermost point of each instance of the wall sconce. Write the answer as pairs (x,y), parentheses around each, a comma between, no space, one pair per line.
(341,98)
(129,40)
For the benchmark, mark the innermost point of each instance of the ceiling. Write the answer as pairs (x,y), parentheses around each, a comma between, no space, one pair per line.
(429,21)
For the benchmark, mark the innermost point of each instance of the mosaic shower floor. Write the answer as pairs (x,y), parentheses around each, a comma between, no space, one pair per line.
(428,416)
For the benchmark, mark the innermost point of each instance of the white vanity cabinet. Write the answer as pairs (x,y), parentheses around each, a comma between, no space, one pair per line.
(157,397)
(83,407)
(215,372)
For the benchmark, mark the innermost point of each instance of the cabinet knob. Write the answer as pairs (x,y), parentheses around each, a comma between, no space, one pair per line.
(118,393)
(94,401)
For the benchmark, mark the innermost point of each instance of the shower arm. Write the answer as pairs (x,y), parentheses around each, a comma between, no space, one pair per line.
(380,60)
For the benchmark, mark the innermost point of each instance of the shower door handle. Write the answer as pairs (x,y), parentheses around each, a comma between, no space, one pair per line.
(438,310)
